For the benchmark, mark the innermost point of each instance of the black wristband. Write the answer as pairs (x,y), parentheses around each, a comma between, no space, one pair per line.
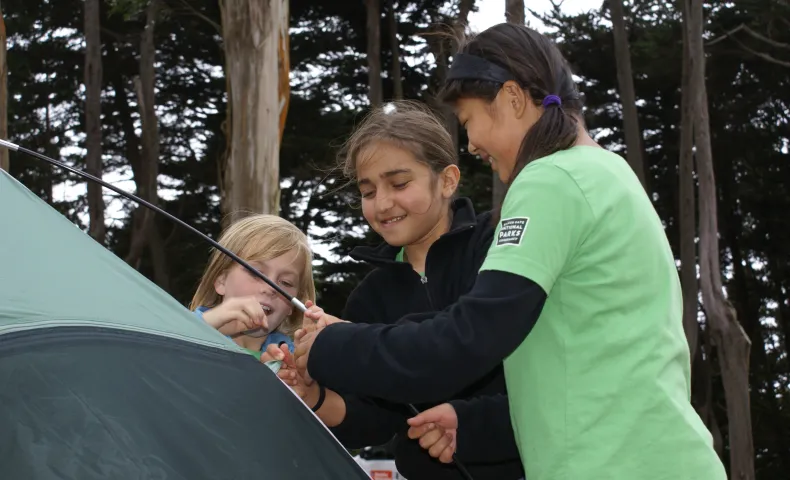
(321,398)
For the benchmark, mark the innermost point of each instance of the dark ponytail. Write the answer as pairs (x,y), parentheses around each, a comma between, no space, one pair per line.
(518,53)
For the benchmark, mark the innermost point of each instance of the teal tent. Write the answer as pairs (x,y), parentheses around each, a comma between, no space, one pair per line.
(105,376)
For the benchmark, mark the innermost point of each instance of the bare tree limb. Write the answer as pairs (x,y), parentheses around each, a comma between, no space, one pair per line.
(762,55)
(725,36)
(193,11)
(758,36)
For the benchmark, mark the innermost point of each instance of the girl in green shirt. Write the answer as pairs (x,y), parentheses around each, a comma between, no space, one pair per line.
(579,293)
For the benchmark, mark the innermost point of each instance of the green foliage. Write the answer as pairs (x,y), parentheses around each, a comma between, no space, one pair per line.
(128,9)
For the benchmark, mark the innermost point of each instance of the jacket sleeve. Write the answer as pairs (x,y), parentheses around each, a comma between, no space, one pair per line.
(484,430)
(432,360)
(368,421)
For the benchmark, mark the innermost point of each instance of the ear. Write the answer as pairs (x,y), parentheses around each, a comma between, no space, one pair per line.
(516,98)
(450,177)
(219,284)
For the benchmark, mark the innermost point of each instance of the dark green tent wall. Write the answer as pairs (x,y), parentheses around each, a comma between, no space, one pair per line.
(105,376)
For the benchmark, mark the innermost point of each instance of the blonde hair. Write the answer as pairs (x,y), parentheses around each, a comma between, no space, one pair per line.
(258,238)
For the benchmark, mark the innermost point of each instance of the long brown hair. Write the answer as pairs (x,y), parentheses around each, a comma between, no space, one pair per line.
(258,238)
(539,68)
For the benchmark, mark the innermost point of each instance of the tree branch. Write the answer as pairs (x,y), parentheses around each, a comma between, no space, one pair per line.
(758,36)
(764,56)
(192,10)
(726,35)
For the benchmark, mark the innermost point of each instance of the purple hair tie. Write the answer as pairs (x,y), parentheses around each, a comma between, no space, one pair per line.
(551,100)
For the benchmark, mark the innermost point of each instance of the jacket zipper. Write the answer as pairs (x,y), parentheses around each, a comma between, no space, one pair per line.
(424,278)
(424,281)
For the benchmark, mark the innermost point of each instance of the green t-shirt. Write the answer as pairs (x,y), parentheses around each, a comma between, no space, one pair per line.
(600,388)
(399,258)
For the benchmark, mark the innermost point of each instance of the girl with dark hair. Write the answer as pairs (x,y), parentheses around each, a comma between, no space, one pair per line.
(579,294)
(402,160)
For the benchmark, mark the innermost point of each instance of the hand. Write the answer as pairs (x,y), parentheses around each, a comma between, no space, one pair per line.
(274,352)
(308,393)
(236,315)
(318,317)
(304,338)
(437,429)
(312,314)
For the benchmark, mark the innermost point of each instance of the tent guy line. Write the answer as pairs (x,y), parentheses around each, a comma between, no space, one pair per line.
(294,301)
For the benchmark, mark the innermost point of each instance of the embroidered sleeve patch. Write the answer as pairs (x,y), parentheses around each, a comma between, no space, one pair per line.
(511,231)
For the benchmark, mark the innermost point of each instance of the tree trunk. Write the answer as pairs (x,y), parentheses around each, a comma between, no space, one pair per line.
(4,163)
(93,134)
(625,80)
(254,34)
(147,172)
(731,341)
(514,13)
(284,75)
(375,95)
(156,247)
(702,388)
(688,220)
(439,47)
(397,78)
(51,150)
(442,50)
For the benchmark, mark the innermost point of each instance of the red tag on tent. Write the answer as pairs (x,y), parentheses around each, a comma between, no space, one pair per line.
(381,474)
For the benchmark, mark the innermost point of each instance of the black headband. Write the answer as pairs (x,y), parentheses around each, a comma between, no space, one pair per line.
(471,67)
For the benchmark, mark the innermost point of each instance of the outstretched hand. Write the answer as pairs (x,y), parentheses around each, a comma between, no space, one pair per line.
(318,317)
(437,430)
(305,337)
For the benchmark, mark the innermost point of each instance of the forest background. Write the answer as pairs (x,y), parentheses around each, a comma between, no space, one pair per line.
(180,100)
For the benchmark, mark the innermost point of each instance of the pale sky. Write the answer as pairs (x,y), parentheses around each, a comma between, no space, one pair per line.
(491,12)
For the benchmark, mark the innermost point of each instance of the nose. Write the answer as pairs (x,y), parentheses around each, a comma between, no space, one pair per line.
(267,289)
(383,201)
(472,148)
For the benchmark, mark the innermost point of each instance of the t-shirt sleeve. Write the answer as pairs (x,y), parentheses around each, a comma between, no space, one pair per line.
(545,218)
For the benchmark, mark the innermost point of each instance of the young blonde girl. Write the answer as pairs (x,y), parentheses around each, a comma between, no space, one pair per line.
(244,307)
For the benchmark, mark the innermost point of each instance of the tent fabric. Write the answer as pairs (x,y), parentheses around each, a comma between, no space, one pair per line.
(92,403)
(104,375)
(52,273)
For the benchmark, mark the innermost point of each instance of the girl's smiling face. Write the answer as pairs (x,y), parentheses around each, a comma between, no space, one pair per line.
(403,200)
(284,270)
(497,129)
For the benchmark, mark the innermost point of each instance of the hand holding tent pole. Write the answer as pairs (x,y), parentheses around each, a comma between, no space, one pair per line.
(294,301)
